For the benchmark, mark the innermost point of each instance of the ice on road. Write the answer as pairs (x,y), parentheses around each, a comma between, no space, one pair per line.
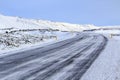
(65,60)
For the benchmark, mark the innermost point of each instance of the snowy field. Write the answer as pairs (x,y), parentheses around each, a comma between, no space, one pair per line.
(17,40)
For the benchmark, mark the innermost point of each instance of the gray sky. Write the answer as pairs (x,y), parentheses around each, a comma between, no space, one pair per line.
(97,12)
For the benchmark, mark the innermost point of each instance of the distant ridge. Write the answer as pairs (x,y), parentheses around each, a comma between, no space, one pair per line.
(23,23)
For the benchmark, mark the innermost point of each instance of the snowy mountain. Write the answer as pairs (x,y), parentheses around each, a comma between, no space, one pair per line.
(22,23)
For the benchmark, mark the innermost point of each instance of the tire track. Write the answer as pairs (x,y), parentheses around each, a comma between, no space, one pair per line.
(82,66)
(13,60)
(56,67)
(54,60)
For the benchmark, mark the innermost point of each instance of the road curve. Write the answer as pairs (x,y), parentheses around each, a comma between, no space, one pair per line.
(65,60)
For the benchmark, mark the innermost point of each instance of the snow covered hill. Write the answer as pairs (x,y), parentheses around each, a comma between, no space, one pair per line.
(22,23)
(16,32)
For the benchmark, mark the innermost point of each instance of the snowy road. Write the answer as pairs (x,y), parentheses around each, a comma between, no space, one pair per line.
(65,60)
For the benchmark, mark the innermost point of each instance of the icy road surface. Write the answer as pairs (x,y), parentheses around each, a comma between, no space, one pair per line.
(65,60)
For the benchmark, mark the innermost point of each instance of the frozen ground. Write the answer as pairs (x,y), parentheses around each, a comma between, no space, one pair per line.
(107,65)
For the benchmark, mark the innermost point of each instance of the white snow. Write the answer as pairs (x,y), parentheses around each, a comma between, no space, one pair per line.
(42,32)
(107,65)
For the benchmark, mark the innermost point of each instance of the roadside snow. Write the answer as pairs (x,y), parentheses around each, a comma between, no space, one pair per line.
(20,45)
(107,65)
(108,31)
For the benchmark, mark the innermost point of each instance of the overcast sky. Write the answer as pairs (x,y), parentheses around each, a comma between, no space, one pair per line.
(97,12)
